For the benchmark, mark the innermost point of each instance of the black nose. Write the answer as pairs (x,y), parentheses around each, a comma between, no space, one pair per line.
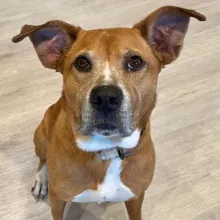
(106,98)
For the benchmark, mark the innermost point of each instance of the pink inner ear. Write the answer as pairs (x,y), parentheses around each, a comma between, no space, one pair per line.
(50,51)
(161,38)
(167,38)
(52,58)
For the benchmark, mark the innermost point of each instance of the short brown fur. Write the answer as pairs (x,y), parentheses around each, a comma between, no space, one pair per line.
(71,170)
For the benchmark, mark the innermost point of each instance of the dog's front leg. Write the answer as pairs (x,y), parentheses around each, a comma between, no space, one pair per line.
(134,208)
(57,205)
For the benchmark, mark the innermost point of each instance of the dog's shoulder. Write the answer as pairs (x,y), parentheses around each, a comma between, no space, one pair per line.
(53,116)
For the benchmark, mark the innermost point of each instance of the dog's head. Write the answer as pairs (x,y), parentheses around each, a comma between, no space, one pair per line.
(110,75)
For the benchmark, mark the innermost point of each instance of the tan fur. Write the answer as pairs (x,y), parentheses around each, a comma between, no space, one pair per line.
(71,170)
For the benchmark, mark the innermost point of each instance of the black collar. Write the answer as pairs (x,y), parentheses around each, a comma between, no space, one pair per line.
(122,153)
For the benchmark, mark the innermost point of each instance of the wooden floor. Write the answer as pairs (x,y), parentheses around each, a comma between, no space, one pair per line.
(185,123)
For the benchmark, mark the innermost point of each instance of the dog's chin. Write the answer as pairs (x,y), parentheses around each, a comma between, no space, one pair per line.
(102,132)
(106,133)
(100,140)
(110,132)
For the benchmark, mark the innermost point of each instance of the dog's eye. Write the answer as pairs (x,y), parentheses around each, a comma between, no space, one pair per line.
(82,64)
(134,63)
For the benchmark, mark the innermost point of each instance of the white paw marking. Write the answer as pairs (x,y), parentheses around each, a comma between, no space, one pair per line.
(40,184)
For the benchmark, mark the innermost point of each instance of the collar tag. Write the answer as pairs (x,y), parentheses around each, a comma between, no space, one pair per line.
(122,153)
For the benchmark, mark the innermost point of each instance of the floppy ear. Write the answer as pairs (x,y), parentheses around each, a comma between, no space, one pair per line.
(165,29)
(50,40)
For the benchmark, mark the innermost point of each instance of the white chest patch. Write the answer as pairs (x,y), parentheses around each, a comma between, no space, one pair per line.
(111,190)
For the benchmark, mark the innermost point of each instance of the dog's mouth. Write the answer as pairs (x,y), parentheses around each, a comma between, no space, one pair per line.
(103,128)
(106,126)
(113,124)
(106,129)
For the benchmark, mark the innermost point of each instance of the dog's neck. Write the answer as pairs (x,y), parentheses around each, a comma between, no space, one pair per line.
(117,152)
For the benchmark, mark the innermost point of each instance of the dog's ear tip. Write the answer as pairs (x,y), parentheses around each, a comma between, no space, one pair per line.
(202,18)
(17,38)
(198,15)
(190,12)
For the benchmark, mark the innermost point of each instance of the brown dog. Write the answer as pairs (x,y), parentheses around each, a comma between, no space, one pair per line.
(94,144)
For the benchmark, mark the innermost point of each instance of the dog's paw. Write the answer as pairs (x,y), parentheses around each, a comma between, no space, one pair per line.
(39,188)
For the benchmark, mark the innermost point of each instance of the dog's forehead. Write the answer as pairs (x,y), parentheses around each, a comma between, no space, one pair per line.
(108,41)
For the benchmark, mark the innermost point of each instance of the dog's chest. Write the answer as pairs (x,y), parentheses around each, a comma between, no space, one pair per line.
(110,190)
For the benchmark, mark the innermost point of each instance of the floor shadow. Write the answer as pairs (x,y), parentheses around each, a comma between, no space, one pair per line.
(94,211)
(78,211)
